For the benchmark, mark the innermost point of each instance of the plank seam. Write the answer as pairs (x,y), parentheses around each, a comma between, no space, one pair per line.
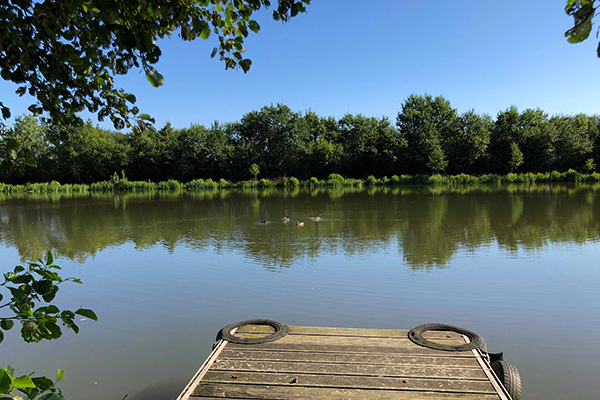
(351,363)
(354,387)
(260,371)
(429,355)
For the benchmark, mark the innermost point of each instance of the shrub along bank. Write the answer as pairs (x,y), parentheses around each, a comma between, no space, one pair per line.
(122,184)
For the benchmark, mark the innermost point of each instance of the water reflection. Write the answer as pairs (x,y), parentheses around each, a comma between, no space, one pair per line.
(426,225)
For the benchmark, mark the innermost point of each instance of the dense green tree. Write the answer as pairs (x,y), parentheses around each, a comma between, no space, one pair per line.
(324,152)
(516,157)
(254,171)
(67,53)
(430,138)
(466,147)
(371,145)
(437,161)
(272,138)
(507,130)
(535,140)
(572,141)
(23,145)
(426,123)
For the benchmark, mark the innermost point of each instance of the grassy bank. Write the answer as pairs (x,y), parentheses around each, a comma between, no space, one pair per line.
(121,184)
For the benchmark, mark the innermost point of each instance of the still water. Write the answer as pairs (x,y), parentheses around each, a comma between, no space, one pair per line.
(520,265)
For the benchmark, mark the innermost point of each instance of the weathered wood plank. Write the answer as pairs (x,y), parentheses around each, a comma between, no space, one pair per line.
(208,391)
(304,330)
(204,368)
(350,382)
(351,340)
(319,348)
(403,371)
(349,358)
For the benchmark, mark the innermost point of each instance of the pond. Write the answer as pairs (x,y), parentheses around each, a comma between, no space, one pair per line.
(520,265)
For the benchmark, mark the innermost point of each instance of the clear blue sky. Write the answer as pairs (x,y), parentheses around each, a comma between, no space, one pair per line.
(368,56)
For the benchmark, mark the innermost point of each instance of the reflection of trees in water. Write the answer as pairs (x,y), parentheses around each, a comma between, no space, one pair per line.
(427,225)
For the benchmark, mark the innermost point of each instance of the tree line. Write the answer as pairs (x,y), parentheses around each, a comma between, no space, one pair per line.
(429,136)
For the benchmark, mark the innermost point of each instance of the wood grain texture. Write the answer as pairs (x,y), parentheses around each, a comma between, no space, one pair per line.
(346,348)
(403,371)
(350,382)
(305,330)
(349,358)
(341,363)
(207,391)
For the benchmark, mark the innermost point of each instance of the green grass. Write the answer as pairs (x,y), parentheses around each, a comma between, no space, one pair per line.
(117,184)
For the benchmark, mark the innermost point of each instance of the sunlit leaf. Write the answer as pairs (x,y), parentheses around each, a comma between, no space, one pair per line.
(154,77)
(23,382)
(87,313)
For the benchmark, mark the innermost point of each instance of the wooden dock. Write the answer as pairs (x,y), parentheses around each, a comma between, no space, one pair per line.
(336,363)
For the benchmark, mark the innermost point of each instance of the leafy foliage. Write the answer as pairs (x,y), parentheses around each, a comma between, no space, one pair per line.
(32,291)
(516,157)
(67,53)
(254,171)
(39,283)
(429,137)
(582,12)
(29,387)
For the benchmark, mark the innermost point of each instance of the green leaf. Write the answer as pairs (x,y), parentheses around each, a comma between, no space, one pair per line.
(1,336)
(52,396)
(5,112)
(18,294)
(87,313)
(53,329)
(59,375)
(205,33)
(48,297)
(130,98)
(70,324)
(583,12)
(6,74)
(49,258)
(23,382)
(11,144)
(254,26)
(30,162)
(154,77)
(18,269)
(43,383)
(43,287)
(5,381)
(22,279)
(6,324)
(245,64)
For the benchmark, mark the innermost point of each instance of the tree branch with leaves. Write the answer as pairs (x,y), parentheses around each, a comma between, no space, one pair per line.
(583,11)
(67,53)
(32,290)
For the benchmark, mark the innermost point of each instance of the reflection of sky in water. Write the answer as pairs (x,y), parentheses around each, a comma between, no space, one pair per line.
(166,275)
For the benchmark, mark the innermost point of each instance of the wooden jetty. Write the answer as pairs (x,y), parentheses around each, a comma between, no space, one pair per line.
(336,363)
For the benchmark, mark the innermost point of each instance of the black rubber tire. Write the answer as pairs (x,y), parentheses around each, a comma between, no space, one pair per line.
(510,378)
(280,331)
(416,336)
